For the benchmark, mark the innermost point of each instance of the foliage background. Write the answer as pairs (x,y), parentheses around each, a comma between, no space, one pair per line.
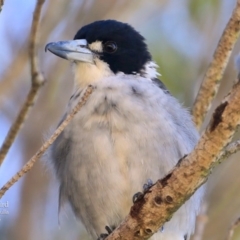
(182,36)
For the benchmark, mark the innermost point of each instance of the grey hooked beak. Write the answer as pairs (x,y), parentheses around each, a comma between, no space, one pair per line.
(75,50)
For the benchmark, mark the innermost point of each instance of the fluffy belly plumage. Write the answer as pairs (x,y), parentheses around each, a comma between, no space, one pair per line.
(120,139)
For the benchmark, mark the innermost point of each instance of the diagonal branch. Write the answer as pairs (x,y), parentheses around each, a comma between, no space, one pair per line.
(37,82)
(211,81)
(46,145)
(158,205)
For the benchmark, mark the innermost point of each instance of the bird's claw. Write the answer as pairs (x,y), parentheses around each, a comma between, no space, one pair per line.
(147,185)
(139,195)
(105,235)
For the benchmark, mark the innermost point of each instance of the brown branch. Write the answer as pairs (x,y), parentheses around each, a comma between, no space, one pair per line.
(37,82)
(37,78)
(46,145)
(158,205)
(232,229)
(230,149)
(211,81)
(1,4)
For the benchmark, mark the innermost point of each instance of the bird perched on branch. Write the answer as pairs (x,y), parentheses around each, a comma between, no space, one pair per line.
(130,130)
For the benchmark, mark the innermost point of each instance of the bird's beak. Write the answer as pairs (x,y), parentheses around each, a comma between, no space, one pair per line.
(75,50)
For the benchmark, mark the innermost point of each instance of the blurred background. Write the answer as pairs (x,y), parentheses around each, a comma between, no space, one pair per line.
(182,36)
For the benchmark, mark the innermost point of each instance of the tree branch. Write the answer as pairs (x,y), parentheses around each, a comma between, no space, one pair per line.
(46,145)
(37,82)
(158,205)
(1,4)
(230,149)
(35,72)
(211,81)
(232,229)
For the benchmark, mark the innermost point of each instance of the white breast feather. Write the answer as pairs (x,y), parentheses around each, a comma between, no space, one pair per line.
(128,131)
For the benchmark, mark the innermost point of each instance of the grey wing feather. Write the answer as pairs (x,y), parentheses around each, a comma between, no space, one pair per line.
(160,84)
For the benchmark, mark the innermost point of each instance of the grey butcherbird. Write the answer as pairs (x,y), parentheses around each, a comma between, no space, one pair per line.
(131,129)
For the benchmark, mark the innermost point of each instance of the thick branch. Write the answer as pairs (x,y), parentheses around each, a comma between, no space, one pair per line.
(230,149)
(46,145)
(37,82)
(232,229)
(210,84)
(158,205)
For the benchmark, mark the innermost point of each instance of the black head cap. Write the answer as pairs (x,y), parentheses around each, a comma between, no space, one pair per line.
(131,53)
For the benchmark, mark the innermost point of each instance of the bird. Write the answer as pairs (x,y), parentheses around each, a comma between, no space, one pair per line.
(130,130)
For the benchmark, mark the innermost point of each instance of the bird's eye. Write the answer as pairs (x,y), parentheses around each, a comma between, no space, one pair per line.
(110,47)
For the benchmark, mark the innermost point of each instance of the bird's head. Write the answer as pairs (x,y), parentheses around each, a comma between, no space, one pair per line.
(104,48)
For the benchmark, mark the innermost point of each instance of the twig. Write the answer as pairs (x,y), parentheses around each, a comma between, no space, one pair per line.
(1,4)
(232,229)
(201,221)
(46,145)
(211,81)
(37,82)
(36,76)
(157,206)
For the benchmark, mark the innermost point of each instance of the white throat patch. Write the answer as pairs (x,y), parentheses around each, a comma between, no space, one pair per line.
(88,73)
(149,70)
